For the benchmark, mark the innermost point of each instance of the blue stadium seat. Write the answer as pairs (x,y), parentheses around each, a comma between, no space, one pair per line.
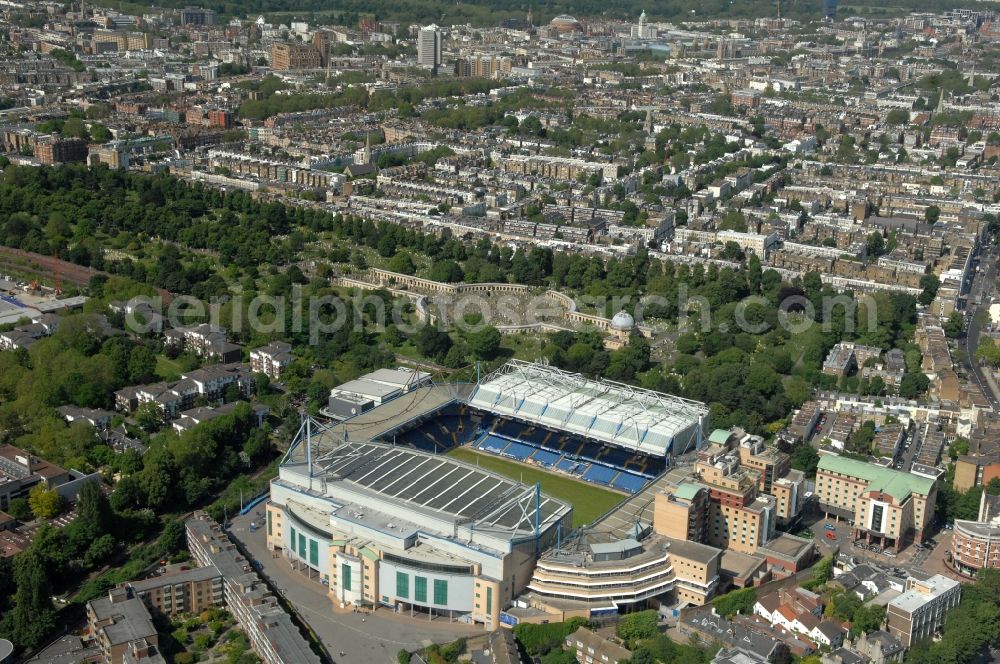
(545,458)
(629,482)
(600,474)
(519,451)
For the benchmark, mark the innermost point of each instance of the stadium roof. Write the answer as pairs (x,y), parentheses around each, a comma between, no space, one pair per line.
(442,487)
(895,483)
(607,411)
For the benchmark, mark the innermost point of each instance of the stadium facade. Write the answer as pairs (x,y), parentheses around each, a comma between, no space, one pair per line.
(371,508)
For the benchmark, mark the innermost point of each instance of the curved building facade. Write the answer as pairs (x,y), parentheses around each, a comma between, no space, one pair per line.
(380,525)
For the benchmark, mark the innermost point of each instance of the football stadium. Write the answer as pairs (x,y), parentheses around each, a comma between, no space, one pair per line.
(478,502)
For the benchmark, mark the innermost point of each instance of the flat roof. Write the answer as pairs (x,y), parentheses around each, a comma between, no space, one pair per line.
(896,483)
(441,485)
(701,553)
(687,490)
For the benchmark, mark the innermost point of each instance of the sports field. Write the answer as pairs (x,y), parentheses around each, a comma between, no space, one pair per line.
(589,502)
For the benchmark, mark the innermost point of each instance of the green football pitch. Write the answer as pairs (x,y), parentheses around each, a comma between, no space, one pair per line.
(589,502)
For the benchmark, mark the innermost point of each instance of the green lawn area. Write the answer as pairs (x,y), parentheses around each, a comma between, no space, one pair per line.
(168,369)
(589,502)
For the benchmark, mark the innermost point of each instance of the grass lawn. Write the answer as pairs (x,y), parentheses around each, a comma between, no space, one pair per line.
(589,502)
(167,369)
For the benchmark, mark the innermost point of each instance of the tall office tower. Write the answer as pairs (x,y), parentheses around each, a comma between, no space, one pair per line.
(429,47)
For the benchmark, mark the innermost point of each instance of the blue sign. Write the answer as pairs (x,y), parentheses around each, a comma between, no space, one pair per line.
(507,619)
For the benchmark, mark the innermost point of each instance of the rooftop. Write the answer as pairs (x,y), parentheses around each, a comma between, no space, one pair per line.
(895,483)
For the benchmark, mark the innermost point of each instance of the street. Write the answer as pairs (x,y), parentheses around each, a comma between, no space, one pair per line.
(362,638)
(981,291)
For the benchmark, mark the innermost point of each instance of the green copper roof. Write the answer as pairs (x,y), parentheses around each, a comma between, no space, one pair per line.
(719,437)
(687,491)
(895,483)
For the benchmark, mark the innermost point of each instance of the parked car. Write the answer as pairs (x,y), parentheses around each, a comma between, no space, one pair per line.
(831,536)
(830,526)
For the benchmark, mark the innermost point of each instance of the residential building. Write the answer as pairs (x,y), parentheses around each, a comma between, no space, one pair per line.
(887,506)
(592,648)
(198,16)
(121,626)
(272,359)
(879,647)
(975,545)
(180,591)
(52,150)
(271,632)
(501,648)
(294,55)
(920,612)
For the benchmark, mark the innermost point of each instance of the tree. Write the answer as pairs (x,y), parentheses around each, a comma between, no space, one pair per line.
(231,393)
(875,244)
(843,606)
(93,511)
(930,285)
(913,385)
(898,116)
(932,213)
(402,263)
(822,572)
(805,458)
(141,364)
(19,509)
(432,342)
(736,601)
(149,416)
(639,625)
(45,503)
(99,551)
(954,325)
(868,619)
(33,617)
(485,343)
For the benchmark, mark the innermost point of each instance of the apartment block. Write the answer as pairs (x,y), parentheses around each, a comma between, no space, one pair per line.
(920,611)
(271,632)
(180,591)
(122,628)
(294,55)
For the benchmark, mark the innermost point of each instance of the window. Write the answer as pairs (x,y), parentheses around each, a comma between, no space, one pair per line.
(440,592)
(269,523)
(419,589)
(402,585)
(292,537)
(345,577)
(489,599)
(302,546)
(314,552)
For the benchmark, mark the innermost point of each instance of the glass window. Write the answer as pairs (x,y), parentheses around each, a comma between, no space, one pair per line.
(302,546)
(345,577)
(489,599)
(269,523)
(291,538)
(402,585)
(440,592)
(419,589)
(314,552)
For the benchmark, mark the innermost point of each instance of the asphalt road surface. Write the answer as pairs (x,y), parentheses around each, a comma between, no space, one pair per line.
(374,638)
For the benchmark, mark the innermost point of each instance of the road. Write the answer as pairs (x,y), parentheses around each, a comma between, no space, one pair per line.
(983,285)
(911,447)
(362,639)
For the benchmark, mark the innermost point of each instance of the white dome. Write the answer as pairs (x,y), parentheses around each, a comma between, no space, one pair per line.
(622,321)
